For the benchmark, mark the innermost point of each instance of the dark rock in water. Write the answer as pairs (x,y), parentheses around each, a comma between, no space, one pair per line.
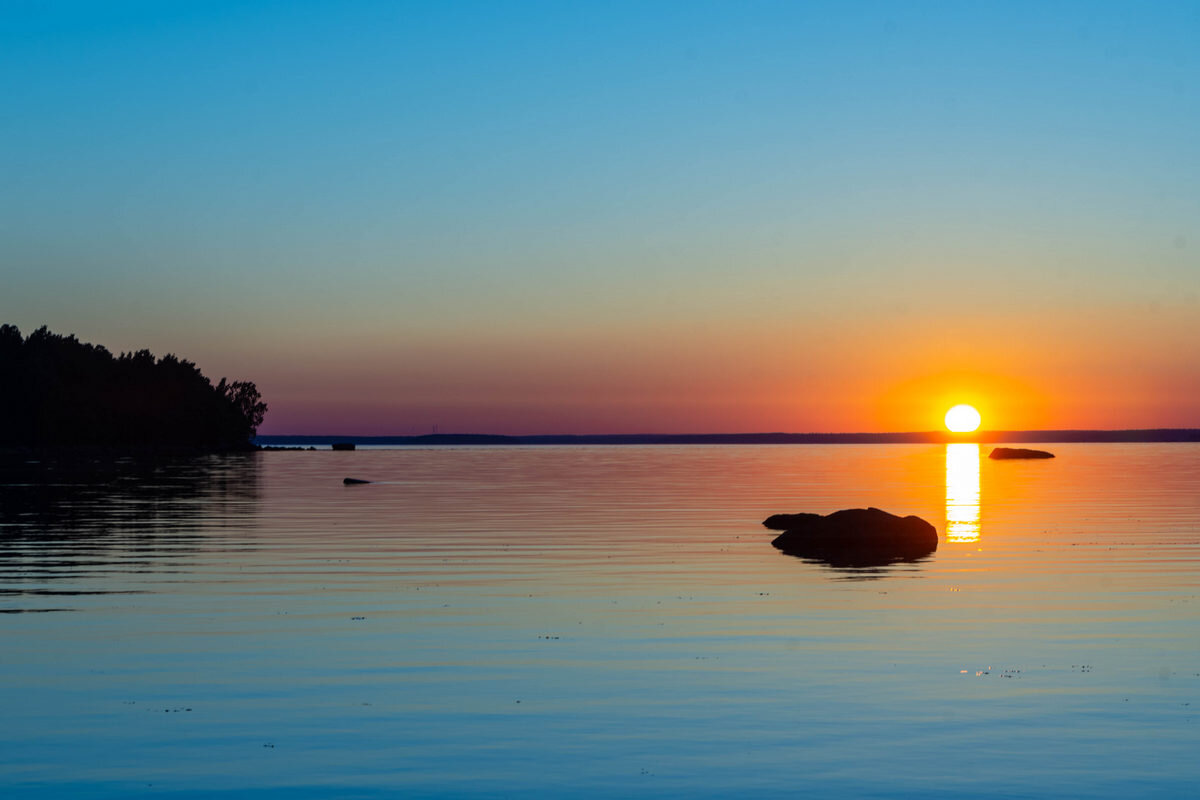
(342,445)
(784,522)
(353,481)
(854,537)
(1018,452)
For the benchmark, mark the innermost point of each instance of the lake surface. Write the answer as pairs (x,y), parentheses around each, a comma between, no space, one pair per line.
(599,622)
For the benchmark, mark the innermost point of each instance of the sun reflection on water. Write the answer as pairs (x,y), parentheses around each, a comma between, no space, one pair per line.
(962,492)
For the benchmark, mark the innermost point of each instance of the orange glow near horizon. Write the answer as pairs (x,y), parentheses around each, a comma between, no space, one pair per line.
(514,384)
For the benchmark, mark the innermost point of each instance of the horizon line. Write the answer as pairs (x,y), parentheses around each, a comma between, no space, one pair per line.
(1064,435)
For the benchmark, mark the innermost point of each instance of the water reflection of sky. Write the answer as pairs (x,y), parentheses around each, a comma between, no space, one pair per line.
(962,492)
(580,621)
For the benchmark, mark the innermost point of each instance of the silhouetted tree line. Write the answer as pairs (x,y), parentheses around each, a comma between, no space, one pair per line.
(57,390)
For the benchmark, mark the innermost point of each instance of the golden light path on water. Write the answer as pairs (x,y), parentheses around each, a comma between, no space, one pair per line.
(962,492)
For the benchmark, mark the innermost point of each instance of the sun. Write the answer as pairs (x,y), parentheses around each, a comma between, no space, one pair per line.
(963,419)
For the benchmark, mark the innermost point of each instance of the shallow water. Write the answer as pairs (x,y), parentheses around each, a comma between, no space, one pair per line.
(599,621)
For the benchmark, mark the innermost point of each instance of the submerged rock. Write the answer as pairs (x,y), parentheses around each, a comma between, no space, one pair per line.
(854,537)
(1018,452)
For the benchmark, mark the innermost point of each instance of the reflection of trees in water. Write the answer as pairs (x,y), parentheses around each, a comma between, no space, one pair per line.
(81,520)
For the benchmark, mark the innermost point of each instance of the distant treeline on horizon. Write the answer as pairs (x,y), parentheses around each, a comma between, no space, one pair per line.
(61,392)
(917,437)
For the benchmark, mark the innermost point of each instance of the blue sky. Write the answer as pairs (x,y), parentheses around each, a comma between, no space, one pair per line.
(633,202)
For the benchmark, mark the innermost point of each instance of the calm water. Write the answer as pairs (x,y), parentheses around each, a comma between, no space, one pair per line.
(599,621)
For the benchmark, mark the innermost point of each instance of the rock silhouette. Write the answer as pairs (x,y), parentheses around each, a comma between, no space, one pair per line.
(783,522)
(854,537)
(1018,452)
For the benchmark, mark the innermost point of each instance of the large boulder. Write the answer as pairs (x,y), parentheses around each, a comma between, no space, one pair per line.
(854,537)
(1018,452)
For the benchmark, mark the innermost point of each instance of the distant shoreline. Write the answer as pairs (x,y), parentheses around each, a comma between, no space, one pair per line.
(920,437)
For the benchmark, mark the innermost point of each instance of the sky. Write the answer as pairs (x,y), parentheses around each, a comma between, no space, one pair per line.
(619,217)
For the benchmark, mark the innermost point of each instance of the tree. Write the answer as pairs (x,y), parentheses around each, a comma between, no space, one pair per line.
(56,390)
(246,401)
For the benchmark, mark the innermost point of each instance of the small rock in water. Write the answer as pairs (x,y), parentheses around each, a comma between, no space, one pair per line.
(1018,452)
(787,522)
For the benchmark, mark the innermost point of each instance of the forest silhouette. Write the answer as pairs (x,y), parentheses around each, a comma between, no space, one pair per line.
(58,391)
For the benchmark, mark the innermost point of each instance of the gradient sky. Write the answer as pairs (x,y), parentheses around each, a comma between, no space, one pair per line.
(619,217)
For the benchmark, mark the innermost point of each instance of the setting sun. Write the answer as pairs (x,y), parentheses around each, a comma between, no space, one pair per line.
(963,419)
